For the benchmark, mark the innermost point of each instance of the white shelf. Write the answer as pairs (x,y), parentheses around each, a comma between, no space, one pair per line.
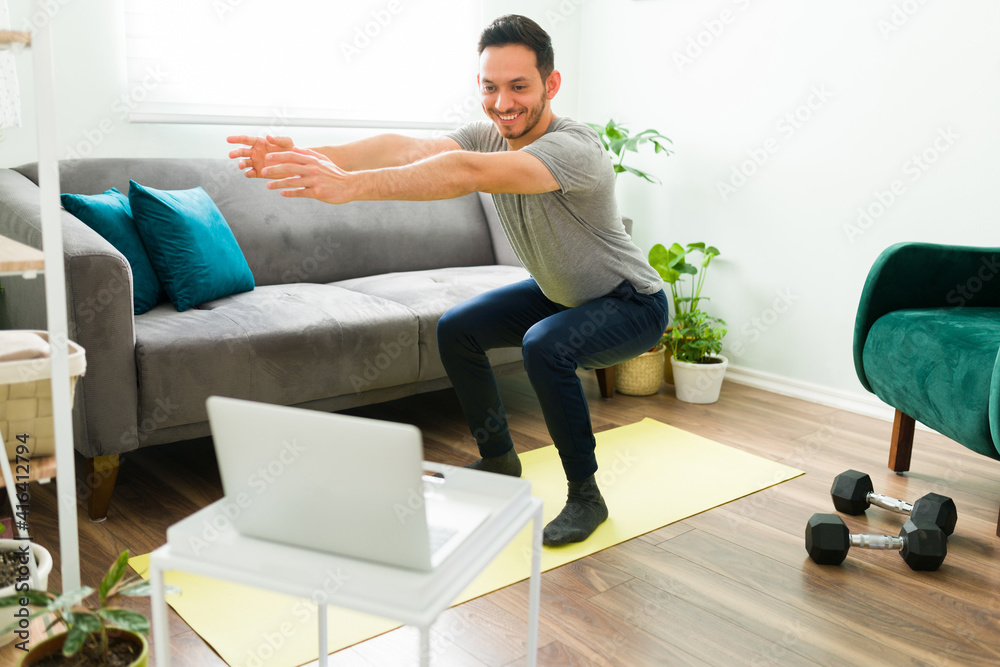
(40,43)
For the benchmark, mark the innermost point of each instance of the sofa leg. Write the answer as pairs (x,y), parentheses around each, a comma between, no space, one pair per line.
(902,442)
(606,381)
(102,471)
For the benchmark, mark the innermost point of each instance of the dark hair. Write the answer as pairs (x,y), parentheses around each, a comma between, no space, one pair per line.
(516,29)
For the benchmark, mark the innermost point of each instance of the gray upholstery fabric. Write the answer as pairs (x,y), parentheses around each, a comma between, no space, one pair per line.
(428,294)
(344,312)
(502,250)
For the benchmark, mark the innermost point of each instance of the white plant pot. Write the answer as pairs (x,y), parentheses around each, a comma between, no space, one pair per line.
(43,559)
(698,383)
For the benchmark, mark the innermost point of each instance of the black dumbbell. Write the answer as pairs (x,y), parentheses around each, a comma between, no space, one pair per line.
(921,544)
(853,493)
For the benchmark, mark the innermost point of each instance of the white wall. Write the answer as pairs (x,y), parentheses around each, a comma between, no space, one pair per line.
(837,102)
(92,92)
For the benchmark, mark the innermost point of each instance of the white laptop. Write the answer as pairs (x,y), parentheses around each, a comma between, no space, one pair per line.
(336,483)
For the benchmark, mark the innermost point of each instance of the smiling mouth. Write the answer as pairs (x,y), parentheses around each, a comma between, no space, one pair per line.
(508,117)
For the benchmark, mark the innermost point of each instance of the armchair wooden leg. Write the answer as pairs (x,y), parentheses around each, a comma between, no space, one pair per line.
(902,442)
(606,381)
(998,526)
(102,472)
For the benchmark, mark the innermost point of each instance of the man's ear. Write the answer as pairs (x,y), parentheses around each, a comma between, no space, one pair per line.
(552,84)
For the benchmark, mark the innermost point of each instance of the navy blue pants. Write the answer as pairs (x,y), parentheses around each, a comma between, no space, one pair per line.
(555,340)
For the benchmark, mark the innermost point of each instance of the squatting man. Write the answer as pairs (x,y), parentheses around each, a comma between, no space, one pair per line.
(592,300)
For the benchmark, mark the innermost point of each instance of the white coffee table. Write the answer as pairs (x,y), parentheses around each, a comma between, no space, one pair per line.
(408,596)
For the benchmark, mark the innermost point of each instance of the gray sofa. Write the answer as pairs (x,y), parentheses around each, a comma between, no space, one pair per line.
(343,314)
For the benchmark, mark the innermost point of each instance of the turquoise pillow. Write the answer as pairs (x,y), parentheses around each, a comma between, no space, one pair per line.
(190,245)
(109,215)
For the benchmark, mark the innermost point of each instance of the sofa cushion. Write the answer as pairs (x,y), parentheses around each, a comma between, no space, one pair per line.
(283,344)
(109,215)
(191,246)
(428,294)
(923,360)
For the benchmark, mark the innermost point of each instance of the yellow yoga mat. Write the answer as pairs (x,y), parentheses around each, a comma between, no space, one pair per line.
(651,475)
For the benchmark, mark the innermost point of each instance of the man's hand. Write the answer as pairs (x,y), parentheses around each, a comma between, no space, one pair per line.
(252,155)
(302,172)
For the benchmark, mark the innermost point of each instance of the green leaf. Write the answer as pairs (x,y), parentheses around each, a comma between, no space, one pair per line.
(16,623)
(113,576)
(145,589)
(642,174)
(67,600)
(126,618)
(74,642)
(35,599)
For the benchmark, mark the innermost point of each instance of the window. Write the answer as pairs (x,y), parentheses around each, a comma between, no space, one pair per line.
(363,63)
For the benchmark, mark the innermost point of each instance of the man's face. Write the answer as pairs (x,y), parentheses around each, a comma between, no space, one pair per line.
(514,96)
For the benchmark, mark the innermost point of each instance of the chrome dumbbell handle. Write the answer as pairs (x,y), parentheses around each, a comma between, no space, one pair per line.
(886,542)
(889,503)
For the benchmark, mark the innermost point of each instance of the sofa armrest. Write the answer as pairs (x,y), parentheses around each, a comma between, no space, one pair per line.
(925,275)
(99,310)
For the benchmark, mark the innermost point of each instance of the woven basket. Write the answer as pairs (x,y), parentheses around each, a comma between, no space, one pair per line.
(26,401)
(640,376)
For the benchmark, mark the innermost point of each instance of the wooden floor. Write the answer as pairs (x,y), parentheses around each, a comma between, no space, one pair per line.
(732,586)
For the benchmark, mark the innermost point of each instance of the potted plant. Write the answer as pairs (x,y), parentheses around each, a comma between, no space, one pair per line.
(98,633)
(618,142)
(698,366)
(639,376)
(673,264)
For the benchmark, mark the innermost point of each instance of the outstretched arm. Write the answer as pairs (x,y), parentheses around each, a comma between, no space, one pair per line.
(305,173)
(384,150)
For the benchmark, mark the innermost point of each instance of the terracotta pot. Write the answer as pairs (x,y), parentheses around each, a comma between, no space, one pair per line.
(54,645)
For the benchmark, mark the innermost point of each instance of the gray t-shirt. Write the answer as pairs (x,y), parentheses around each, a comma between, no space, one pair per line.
(571,240)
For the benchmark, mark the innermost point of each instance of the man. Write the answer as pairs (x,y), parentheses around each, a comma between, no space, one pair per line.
(592,301)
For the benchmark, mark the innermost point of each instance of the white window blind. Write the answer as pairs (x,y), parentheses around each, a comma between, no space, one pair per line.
(360,63)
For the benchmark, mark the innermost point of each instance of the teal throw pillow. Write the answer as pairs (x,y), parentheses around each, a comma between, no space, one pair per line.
(190,244)
(109,215)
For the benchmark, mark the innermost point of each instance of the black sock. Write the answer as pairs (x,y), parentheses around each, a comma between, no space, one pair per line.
(505,464)
(585,510)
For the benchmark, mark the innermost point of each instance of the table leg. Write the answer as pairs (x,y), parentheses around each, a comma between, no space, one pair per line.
(158,607)
(535,588)
(323,650)
(425,646)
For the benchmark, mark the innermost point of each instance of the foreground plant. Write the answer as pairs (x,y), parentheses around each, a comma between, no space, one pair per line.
(87,620)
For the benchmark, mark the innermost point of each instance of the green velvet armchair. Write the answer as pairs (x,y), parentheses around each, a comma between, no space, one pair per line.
(926,341)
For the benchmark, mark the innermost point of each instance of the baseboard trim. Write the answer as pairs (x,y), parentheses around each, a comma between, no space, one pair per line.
(868,405)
